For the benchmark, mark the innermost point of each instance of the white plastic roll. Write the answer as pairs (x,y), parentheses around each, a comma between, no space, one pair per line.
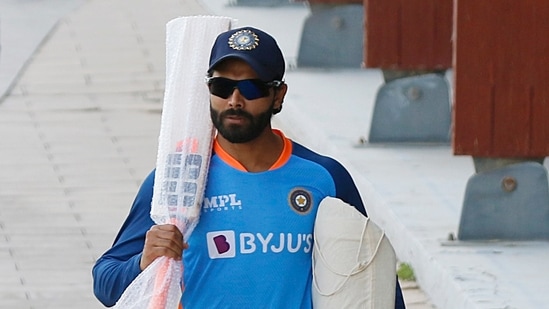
(184,151)
(186,132)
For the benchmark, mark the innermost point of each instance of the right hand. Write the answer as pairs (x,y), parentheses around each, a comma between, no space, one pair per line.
(162,240)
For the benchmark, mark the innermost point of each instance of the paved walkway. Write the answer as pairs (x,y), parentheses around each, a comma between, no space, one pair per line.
(79,132)
(78,135)
(23,27)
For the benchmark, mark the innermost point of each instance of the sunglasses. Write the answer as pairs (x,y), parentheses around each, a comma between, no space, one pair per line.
(251,89)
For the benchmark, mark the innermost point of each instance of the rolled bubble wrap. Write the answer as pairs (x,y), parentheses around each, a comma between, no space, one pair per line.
(184,150)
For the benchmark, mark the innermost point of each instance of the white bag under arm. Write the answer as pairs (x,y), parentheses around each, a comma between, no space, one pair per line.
(354,264)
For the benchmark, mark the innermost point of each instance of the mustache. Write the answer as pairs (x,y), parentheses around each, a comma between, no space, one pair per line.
(235,112)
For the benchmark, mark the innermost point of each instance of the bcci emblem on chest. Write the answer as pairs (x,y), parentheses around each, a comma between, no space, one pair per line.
(300,200)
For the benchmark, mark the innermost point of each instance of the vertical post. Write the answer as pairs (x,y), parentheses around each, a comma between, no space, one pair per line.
(411,42)
(501,66)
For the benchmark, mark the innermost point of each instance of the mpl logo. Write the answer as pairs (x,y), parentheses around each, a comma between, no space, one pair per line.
(221,244)
(221,203)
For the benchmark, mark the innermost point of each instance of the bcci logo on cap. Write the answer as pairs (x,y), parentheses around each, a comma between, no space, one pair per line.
(244,40)
(300,200)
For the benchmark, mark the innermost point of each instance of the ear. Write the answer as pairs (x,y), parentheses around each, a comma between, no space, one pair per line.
(280,93)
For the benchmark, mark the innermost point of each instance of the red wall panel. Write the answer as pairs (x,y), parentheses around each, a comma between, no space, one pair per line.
(408,34)
(501,66)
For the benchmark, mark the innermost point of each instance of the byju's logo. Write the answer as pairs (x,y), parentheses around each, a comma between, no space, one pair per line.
(221,244)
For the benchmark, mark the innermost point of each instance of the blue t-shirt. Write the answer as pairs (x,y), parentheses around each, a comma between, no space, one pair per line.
(253,243)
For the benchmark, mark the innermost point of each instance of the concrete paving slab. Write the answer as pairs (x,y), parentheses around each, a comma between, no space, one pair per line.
(23,27)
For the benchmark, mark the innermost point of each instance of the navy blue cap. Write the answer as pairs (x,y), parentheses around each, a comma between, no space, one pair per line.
(252,45)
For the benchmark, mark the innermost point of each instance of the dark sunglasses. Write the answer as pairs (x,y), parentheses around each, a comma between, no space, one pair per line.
(251,89)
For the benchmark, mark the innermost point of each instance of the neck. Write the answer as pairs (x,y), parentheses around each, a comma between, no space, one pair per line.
(257,155)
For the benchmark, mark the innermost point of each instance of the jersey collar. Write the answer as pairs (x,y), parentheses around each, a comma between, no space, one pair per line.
(282,159)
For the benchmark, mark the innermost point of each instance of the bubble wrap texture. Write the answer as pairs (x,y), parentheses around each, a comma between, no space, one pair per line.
(184,149)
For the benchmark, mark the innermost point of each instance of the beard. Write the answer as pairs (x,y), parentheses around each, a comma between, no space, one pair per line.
(241,133)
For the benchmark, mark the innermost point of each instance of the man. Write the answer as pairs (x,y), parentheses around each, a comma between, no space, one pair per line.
(252,246)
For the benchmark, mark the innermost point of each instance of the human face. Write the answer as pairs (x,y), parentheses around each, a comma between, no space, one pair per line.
(236,118)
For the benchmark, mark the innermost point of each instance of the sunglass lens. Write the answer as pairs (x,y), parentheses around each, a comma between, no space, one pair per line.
(222,87)
(251,89)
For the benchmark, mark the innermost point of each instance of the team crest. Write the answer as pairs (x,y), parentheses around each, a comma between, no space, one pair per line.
(244,40)
(301,200)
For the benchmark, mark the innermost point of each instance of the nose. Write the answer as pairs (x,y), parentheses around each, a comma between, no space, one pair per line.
(236,99)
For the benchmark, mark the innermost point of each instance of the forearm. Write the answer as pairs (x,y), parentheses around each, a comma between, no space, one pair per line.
(111,277)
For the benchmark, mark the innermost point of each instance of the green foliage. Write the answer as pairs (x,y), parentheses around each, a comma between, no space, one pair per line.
(405,272)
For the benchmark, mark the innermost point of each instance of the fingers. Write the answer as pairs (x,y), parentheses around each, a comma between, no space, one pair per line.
(162,240)
(166,236)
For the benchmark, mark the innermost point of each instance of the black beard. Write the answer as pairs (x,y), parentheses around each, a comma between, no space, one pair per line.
(241,134)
